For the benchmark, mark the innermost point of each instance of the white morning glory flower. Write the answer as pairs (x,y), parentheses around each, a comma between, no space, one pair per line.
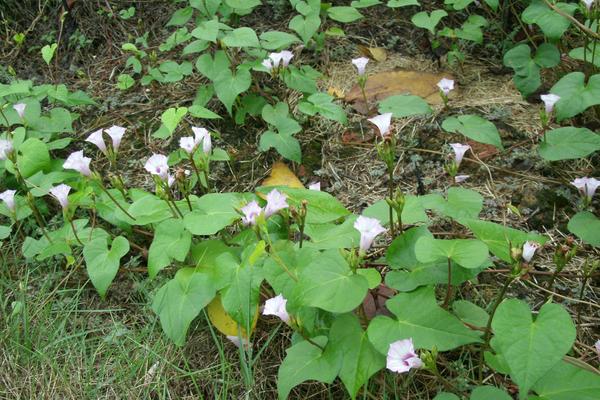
(20,109)
(459,151)
(61,194)
(6,148)
(8,197)
(97,139)
(157,165)
(446,85)
(315,186)
(369,228)
(79,163)
(251,211)
(529,249)
(586,186)
(383,123)
(116,134)
(275,201)
(401,356)
(276,306)
(360,64)
(201,135)
(549,101)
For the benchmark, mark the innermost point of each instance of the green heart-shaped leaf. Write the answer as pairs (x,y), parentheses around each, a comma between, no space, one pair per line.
(103,263)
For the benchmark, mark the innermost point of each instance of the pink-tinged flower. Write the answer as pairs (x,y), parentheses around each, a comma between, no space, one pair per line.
(61,194)
(315,186)
(446,85)
(597,346)
(202,136)
(8,197)
(188,144)
(157,165)
(459,151)
(286,57)
(268,64)
(238,342)
(461,178)
(360,64)
(383,123)
(588,4)
(276,306)
(251,211)
(275,201)
(170,180)
(20,109)
(549,101)
(6,148)
(97,139)
(116,134)
(586,186)
(529,249)
(275,59)
(79,163)
(369,228)
(401,356)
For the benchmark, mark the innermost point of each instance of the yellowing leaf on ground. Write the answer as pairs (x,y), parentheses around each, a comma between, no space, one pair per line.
(376,53)
(385,84)
(223,322)
(335,92)
(281,175)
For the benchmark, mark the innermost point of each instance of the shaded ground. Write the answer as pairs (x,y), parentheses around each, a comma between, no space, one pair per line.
(70,344)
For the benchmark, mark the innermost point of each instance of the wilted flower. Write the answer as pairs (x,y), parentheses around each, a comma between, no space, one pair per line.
(276,306)
(6,148)
(401,356)
(549,101)
(251,211)
(157,165)
(116,134)
(315,186)
(360,64)
(461,178)
(459,151)
(201,135)
(529,249)
(171,180)
(369,228)
(20,109)
(588,3)
(383,123)
(446,85)
(96,138)
(61,194)
(8,197)
(275,201)
(79,163)
(586,186)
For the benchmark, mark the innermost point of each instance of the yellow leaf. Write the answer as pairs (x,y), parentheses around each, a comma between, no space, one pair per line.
(335,92)
(223,322)
(376,53)
(281,175)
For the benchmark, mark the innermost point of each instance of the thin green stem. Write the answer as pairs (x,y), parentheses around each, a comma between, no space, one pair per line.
(75,232)
(110,196)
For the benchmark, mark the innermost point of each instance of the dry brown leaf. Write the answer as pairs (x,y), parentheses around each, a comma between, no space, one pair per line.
(375,53)
(281,175)
(335,92)
(385,84)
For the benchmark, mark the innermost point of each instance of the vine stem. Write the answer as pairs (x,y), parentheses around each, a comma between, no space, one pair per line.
(110,196)
(391,194)
(488,327)
(75,232)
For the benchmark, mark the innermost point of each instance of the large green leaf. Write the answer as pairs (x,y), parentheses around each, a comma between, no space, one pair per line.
(304,361)
(568,143)
(103,263)
(527,69)
(181,16)
(531,348)
(551,23)
(322,103)
(489,393)
(500,238)
(285,144)
(468,253)
(229,86)
(171,242)
(344,14)
(279,117)
(419,317)
(575,95)
(32,157)
(207,30)
(404,105)
(332,236)
(412,212)
(428,21)
(568,382)
(329,283)
(359,358)
(474,127)
(586,226)
(275,40)
(181,299)
(214,211)
(241,37)
(462,204)
(305,26)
